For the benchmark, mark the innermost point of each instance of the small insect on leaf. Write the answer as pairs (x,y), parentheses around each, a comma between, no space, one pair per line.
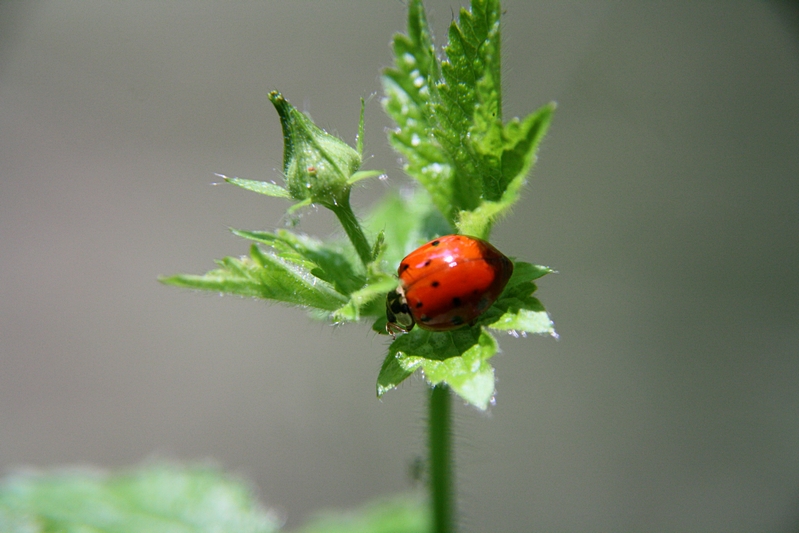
(446,284)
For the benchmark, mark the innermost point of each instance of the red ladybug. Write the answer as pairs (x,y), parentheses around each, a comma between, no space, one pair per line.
(446,283)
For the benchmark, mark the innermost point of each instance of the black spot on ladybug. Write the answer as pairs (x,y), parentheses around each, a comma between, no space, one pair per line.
(435,243)
(403,267)
(435,284)
(427,263)
(475,291)
(418,305)
(456,302)
(424,318)
(457,321)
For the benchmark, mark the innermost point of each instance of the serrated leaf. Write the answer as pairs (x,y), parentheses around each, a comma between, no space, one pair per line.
(410,88)
(517,310)
(166,499)
(523,318)
(470,110)
(519,142)
(326,261)
(458,358)
(264,275)
(525,272)
(449,118)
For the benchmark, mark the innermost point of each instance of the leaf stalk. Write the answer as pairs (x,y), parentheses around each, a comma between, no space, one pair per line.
(352,227)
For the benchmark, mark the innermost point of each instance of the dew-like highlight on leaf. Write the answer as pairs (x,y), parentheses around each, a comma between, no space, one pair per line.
(433,168)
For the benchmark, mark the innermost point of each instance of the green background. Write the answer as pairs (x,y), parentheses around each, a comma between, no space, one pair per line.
(666,195)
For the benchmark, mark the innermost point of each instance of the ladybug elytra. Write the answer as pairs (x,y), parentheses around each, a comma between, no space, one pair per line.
(446,283)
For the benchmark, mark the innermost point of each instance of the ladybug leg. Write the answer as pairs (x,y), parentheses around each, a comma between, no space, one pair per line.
(393,329)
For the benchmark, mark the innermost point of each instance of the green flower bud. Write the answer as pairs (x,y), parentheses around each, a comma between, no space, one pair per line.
(317,165)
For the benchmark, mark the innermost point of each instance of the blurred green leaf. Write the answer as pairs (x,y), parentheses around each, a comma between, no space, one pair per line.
(163,499)
(402,514)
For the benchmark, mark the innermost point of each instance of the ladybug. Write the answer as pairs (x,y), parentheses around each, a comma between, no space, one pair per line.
(446,283)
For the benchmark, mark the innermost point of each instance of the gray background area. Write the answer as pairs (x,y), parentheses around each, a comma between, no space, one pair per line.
(666,194)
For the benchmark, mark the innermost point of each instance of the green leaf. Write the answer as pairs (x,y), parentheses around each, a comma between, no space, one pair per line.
(517,311)
(167,499)
(410,88)
(261,187)
(458,358)
(470,110)
(525,316)
(326,261)
(400,514)
(449,118)
(519,142)
(265,275)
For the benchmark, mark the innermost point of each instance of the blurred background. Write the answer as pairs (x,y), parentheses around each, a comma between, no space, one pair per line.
(666,195)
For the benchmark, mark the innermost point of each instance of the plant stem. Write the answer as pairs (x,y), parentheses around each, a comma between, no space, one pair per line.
(441,460)
(347,218)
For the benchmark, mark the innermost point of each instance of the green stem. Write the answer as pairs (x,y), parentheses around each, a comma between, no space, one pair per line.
(347,218)
(441,460)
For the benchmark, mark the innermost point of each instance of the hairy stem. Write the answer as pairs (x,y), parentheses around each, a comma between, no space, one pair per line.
(441,460)
(354,231)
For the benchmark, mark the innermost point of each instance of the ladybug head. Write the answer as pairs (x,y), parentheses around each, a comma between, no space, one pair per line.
(398,314)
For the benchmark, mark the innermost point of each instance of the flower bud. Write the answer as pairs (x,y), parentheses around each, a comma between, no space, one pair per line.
(316,165)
